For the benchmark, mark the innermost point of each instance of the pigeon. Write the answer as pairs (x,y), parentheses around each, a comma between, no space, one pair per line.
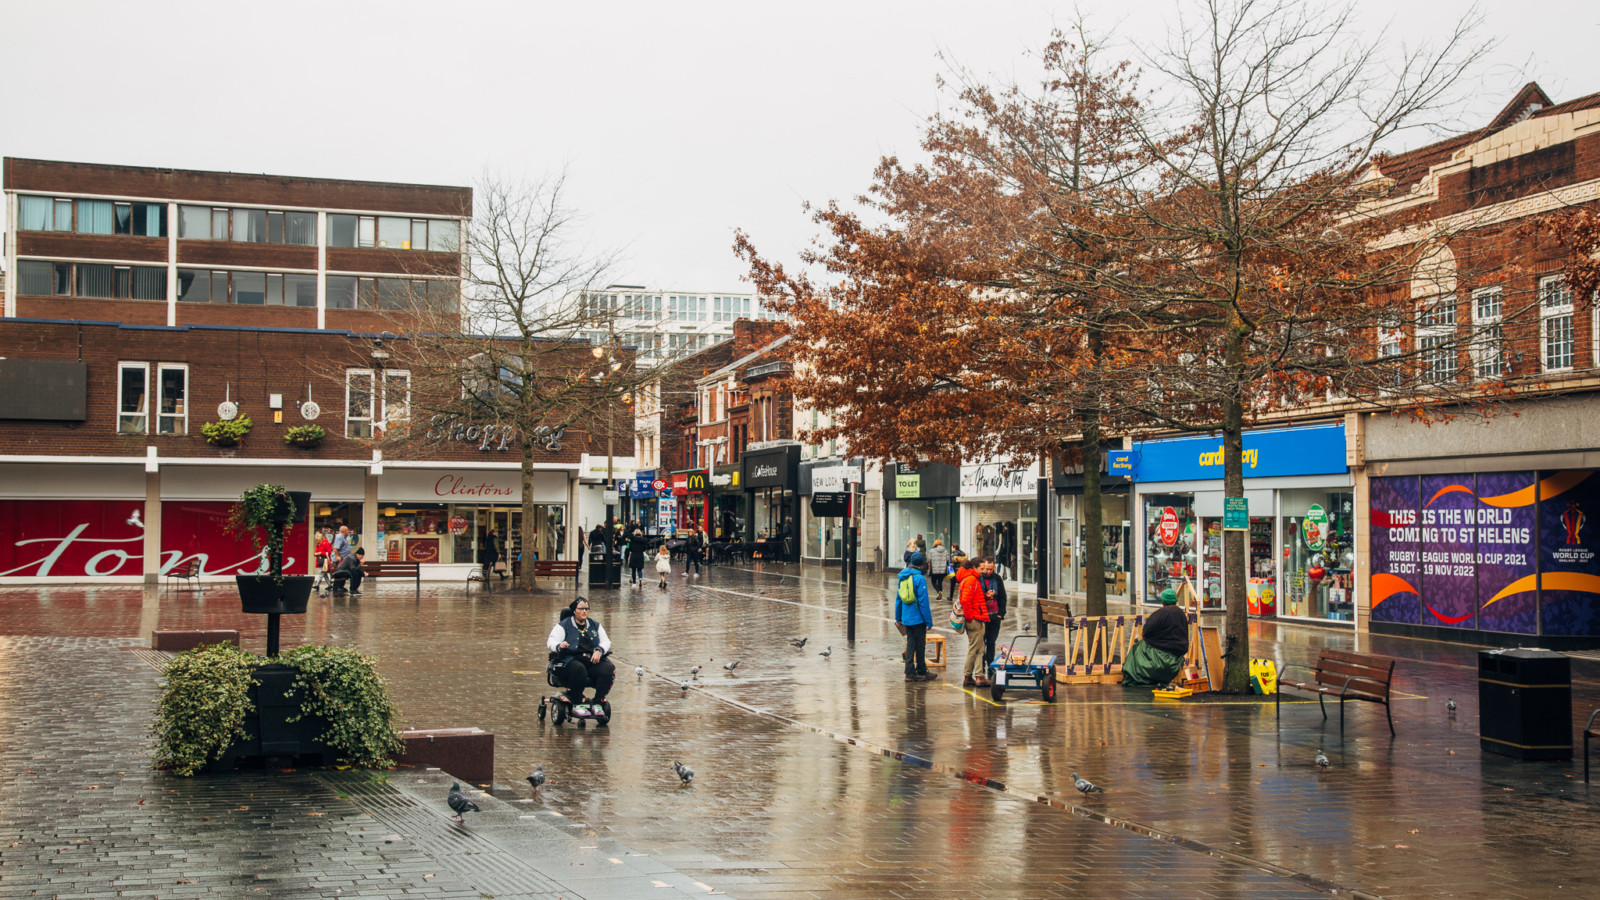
(459,802)
(537,778)
(827,652)
(1322,760)
(799,643)
(731,666)
(684,686)
(1450,705)
(1085,786)
(639,671)
(1027,627)
(685,774)
(694,670)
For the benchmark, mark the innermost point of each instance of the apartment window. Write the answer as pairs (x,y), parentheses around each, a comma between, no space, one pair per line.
(97,281)
(366,231)
(149,219)
(1555,323)
(371,403)
(394,232)
(94,280)
(94,217)
(341,292)
(35,213)
(250,226)
(1436,336)
(444,235)
(194,222)
(300,290)
(63,218)
(300,228)
(132,385)
(341,230)
(1488,341)
(172,417)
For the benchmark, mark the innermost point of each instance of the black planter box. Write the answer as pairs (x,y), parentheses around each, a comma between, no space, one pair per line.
(270,738)
(262,594)
(302,505)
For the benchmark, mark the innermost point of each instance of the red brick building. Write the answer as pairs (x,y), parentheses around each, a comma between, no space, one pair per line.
(147,304)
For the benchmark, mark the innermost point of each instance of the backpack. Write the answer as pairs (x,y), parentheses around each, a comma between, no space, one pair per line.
(908,591)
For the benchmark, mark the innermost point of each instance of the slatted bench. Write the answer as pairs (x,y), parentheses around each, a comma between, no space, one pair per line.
(1055,612)
(555,568)
(1345,675)
(190,572)
(1590,730)
(396,569)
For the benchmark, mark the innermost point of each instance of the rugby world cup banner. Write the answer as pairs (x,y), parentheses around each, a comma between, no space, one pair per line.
(1495,551)
(86,539)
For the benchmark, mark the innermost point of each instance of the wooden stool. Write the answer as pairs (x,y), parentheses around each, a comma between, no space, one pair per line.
(934,652)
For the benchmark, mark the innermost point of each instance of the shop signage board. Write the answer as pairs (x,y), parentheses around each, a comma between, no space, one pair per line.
(696,482)
(1236,514)
(1168,530)
(999,480)
(1314,528)
(830,504)
(907,487)
(472,486)
(1121,462)
(833,479)
(658,485)
(1309,450)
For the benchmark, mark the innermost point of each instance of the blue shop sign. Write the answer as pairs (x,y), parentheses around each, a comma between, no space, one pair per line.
(1311,450)
(642,484)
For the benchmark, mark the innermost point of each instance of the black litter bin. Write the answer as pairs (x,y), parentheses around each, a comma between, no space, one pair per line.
(1525,703)
(604,574)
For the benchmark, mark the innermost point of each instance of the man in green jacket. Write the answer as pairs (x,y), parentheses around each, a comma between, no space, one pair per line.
(1156,659)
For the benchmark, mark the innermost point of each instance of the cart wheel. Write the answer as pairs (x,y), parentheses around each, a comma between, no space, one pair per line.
(1049,686)
(997,691)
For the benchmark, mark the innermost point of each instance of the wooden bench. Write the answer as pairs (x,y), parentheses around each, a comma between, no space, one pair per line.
(555,568)
(396,569)
(1345,675)
(1055,612)
(1589,731)
(190,572)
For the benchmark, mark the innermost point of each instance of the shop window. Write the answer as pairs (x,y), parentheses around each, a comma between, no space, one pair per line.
(132,388)
(172,417)
(1318,541)
(1488,343)
(1173,546)
(1556,343)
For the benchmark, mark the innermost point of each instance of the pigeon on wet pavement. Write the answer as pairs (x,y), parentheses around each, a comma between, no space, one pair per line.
(799,642)
(731,666)
(1085,786)
(537,778)
(639,671)
(684,686)
(1450,704)
(1027,627)
(827,652)
(694,670)
(459,802)
(1322,760)
(685,774)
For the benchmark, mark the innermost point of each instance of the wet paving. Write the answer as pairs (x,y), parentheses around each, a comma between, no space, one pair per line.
(830,777)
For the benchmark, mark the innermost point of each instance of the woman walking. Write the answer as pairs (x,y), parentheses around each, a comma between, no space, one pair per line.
(636,558)
(938,565)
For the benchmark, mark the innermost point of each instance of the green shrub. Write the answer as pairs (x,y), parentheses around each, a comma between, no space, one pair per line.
(344,688)
(226,433)
(203,706)
(306,436)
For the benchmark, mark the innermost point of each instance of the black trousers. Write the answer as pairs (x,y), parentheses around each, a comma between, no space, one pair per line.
(578,673)
(352,575)
(938,584)
(991,630)
(692,559)
(917,649)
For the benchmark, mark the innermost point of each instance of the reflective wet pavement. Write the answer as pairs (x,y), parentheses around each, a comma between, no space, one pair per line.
(826,777)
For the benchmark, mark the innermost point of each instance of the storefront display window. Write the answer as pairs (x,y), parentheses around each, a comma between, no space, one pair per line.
(1318,540)
(774,517)
(327,517)
(729,518)
(1027,551)
(1172,543)
(933,519)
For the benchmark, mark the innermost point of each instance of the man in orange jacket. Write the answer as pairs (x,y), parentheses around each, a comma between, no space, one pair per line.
(975,610)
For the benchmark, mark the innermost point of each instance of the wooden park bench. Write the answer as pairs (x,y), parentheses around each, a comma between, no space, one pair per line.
(555,568)
(190,572)
(395,569)
(1055,612)
(1345,675)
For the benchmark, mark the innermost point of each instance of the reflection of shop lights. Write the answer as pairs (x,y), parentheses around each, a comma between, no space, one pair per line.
(325,511)
(389,511)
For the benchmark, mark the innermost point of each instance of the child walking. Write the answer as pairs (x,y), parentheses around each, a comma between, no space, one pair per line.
(663,564)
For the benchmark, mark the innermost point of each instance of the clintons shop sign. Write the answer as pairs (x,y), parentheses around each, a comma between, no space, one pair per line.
(88,539)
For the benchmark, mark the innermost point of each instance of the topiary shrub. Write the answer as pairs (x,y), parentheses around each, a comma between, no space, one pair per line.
(203,706)
(343,687)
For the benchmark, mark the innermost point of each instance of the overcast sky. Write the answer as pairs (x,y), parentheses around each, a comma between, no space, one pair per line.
(676,122)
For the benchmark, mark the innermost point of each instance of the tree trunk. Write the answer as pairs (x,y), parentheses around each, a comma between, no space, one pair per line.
(1094,544)
(525,535)
(1236,656)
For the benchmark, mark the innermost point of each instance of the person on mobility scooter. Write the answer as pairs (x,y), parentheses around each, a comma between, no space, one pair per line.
(579,648)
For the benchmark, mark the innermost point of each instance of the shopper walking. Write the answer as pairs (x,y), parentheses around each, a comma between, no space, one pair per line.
(636,558)
(938,565)
(958,558)
(694,552)
(913,612)
(976,613)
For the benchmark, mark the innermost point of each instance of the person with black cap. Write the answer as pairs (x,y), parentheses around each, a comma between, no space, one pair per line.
(1157,658)
(913,612)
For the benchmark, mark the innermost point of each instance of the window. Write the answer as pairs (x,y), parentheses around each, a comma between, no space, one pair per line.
(394,232)
(194,222)
(219,225)
(250,288)
(244,288)
(63,216)
(1556,343)
(250,226)
(364,409)
(94,280)
(300,228)
(35,213)
(1436,336)
(341,292)
(341,230)
(1488,344)
(94,217)
(300,290)
(419,234)
(149,219)
(132,383)
(172,417)
(366,231)
(444,235)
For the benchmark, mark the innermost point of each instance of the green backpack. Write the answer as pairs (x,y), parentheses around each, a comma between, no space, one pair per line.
(908,591)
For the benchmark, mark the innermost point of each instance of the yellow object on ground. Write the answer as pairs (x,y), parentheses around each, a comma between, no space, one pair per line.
(1263,676)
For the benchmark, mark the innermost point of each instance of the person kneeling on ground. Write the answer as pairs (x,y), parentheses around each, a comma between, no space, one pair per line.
(350,568)
(1157,659)
(914,613)
(581,647)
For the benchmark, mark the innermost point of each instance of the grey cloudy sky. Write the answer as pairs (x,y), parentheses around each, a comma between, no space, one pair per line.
(676,122)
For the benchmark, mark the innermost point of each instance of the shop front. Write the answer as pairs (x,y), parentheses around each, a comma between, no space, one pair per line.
(1298,521)
(1072,535)
(771,478)
(692,490)
(728,511)
(643,497)
(924,499)
(448,517)
(825,535)
(999,517)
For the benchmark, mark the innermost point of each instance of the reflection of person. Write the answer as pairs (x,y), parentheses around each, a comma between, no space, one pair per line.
(916,616)
(350,568)
(1157,658)
(581,647)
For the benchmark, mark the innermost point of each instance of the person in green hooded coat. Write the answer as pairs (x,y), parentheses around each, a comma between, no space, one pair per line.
(1156,659)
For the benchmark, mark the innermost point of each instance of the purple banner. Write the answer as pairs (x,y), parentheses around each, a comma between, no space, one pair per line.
(1393,539)
(1569,552)
(1449,544)
(1505,517)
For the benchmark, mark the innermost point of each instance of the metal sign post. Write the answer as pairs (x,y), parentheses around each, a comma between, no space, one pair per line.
(850,551)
